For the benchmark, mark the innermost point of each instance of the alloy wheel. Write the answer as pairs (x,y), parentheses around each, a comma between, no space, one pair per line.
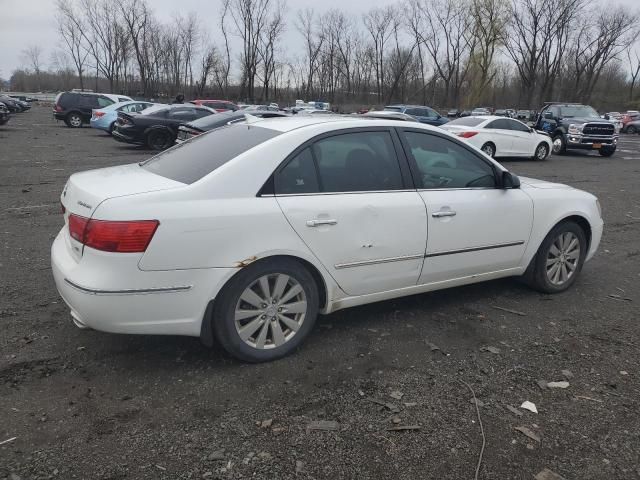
(563,258)
(75,121)
(270,311)
(557,145)
(541,152)
(488,149)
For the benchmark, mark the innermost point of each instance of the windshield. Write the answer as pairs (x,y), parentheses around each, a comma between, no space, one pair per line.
(467,121)
(578,111)
(190,161)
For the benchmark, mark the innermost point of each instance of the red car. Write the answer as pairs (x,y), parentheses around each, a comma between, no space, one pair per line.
(217,105)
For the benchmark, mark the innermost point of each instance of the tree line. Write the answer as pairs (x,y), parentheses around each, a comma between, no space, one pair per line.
(444,53)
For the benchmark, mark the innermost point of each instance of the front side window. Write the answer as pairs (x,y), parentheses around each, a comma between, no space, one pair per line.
(442,163)
(357,162)
(498,125)
(517,126)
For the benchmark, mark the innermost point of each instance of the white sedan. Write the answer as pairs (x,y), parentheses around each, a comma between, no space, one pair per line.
(247,232)
(501,137)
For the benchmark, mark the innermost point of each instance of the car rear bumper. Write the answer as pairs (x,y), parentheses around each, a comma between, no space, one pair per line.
(124,138)
(100,124)
(108,292)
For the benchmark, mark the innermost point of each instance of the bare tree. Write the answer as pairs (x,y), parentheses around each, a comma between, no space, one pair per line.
(633,59)
(32,56)
(314,40)
(379,23)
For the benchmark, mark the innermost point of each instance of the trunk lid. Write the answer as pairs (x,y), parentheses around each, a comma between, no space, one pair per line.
(85,191)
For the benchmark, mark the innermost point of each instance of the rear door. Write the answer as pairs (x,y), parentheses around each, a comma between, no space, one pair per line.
(474,226)
(349,197)
(86,104)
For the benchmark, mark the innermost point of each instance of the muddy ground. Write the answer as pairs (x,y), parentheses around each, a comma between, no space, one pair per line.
(90,405)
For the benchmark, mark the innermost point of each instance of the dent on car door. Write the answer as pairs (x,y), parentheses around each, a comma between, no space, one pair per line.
(474,227)
(348,198)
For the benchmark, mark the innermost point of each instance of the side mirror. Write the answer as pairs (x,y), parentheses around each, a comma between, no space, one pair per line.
(509,180)
(531,130)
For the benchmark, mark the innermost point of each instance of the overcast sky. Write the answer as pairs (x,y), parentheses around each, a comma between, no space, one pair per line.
(32,22)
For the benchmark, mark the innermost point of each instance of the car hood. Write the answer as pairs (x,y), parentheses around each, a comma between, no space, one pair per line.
(535,183)
(585,120)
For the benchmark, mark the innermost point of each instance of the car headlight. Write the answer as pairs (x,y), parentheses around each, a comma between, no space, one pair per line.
(576,128)
(599,207)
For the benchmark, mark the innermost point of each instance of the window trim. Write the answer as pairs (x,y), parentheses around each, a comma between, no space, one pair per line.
(408,184)
(416,171)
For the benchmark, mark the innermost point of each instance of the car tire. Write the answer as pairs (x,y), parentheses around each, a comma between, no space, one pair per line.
(542,152)
(631,129)
(489,148)
(559,144)
(559,259)
(606,153)
(158,140)
(272,323)
(73,120)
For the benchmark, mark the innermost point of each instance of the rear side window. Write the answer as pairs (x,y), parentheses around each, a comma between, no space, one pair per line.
(67,99)
(190,161)
(105,102)
(298,176)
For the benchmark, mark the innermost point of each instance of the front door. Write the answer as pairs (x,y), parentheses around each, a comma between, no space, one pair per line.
(523,144)
(349,201)
(474,227)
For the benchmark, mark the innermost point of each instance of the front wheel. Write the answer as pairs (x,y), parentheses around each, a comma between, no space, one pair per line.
(606,153)
(559,145)
(266,310)
(158,140)
(559,259)
(542,152)
(631,129)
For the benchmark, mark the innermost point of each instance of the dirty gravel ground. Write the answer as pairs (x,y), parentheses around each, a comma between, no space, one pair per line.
(90,405)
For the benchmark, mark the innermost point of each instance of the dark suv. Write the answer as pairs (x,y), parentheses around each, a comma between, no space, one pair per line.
(74,108)
(573,126)
(422,114)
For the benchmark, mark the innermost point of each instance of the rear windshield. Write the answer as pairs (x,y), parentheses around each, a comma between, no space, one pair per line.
(192,160)
(467,121)
(214,121)
(156,110)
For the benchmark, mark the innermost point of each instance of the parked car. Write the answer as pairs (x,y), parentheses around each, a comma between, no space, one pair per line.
(627,119)
(157,126)
(423,114)
(105,118)
(479,112)
(575,126)
(501,137)
(501,113)
(246,233)
(405,117)
(453,113)
(205,124)
(24,98)
(465,113)
(4,114)
(12,104)
(265,108)
(217,105)
(632,127)
(75,108)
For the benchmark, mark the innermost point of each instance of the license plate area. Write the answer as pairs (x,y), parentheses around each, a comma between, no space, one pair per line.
(597,146)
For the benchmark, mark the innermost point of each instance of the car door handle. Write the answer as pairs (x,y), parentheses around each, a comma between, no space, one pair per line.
(443,213)
(317,223)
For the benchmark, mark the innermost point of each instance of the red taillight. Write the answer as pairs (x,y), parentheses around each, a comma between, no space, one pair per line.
(112,236)
(57,108)
(467,134)
(98,114)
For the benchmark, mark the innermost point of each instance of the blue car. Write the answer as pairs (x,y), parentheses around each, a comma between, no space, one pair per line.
(423,114)
(104,118)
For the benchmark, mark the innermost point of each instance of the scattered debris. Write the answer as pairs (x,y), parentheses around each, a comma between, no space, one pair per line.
(432,346)
(8,440)
(618,297)
(361,393)
(515,312)
(160,467)
(299,466)
(396,395)
(399,428)
(396,420)
(218,455)
(266,423)
(527,405)
(390,406)
(264,455)
(562,384)
(490,349)
(514,410)
(484,439)
(528,432)
(475,401)
(567,373)
(324,425)
(542,384)
(81,348)
(589,398)
(547,474)
(624,372)
(410,404)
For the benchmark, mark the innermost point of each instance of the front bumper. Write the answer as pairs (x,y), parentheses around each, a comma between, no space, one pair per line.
(590,142)
(108,292)
(596,236)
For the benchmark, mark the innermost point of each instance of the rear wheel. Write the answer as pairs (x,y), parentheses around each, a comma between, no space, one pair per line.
(266,310)
(559,259)
(542,152)
(489,149)
(632,129)
(158,140)
(74,120)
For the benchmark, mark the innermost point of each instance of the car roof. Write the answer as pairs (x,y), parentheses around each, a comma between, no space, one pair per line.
(287,124)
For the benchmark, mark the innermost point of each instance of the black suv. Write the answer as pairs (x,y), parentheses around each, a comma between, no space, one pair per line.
(74,108)
(573,126)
